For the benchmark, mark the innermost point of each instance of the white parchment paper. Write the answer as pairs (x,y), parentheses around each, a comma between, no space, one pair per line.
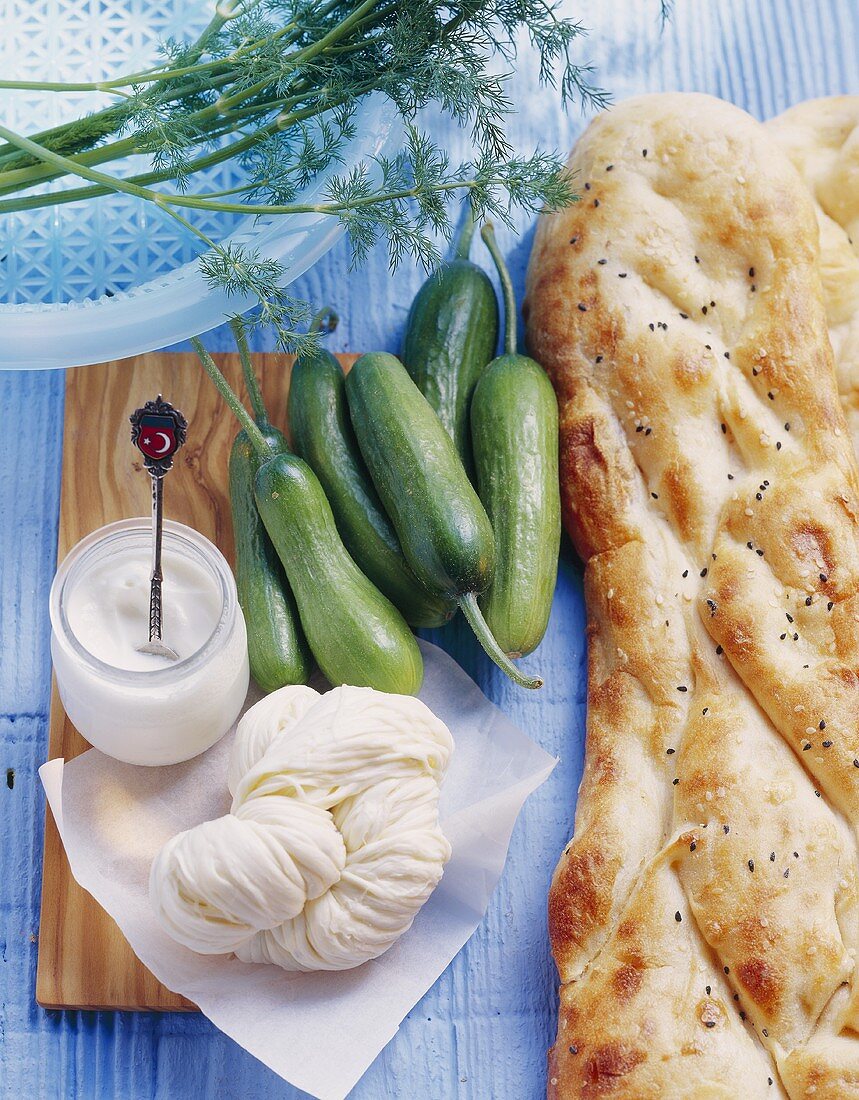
(318,1031)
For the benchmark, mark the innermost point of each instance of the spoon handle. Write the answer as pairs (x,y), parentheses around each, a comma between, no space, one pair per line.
(157,576)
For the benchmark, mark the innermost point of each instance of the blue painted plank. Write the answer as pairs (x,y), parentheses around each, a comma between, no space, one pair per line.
(483,1030)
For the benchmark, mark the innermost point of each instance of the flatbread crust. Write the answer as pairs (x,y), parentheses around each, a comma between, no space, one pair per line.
(704,917)
(821,137)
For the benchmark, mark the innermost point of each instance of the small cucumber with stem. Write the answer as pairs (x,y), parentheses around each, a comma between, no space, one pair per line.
(442,526)
(322,435)
(355,633)
(451,335)
(277,649)
(514,426)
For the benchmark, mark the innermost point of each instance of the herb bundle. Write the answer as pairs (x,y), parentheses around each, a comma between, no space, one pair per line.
(273,85)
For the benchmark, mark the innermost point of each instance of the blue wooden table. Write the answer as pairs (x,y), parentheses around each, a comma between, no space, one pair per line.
(483,1029)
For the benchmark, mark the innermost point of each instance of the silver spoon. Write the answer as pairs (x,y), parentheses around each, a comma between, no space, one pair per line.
(158,431)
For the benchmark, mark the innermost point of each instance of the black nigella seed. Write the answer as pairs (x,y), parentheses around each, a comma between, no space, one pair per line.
(726,829)
(609,167)
(822,725)
(778,445)
(599,359)
(596,202)
(621,275)
(692,846)
(574,240)
(703,309)
(583,307)
(602,261)
(574,1049)
(817,794)
(787,427)
(697,259)
(682,687)
(685,572)
(855,762)
(655,496)
(787,872)
(677,916)
(751,865)
(772,857)
(770,395)
(675,782)
(707,988)
(719,651)
(587,187)
(789,616)
(644,152)
(830,605)
(704,571)
(652,327)
(670,752)
(827,744)
(685,316)
(808,601)
(751,273)
(724,429)
(805,748)
(704,711)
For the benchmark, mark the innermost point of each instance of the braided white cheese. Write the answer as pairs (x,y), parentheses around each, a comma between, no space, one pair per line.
(332,843)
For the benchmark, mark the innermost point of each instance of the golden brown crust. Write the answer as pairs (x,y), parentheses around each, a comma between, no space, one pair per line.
(710,486)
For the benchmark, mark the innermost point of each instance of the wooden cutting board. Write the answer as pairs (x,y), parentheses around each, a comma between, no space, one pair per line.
(84,960)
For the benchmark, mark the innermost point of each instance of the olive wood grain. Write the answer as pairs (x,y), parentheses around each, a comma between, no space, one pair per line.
(84,960)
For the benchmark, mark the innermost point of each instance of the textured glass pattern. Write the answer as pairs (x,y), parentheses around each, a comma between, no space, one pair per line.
(86,250)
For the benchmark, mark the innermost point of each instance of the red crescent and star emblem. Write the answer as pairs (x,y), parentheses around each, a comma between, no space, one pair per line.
(158,431)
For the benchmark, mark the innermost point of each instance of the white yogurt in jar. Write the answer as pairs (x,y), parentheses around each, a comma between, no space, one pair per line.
(134,706)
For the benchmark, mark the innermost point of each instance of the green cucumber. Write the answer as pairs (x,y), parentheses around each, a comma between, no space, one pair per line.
(514,424)
(322,435)
(442,526)
(355,633)
(277,649)
(451,334)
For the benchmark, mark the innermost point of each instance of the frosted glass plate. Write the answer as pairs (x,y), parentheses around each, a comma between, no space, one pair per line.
(87,282)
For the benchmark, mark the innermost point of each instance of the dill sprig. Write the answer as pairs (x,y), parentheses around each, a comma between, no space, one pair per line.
(274,86)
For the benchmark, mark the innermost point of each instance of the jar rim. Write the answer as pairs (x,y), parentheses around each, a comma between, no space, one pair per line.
(113,536)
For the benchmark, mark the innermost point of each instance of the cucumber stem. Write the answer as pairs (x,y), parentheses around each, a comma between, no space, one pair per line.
(478,624)
(325,321)
(251,380)
(463,241)
(488,235)
(237,408)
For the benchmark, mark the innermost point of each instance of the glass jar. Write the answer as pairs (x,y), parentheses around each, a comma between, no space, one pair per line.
(171,712)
